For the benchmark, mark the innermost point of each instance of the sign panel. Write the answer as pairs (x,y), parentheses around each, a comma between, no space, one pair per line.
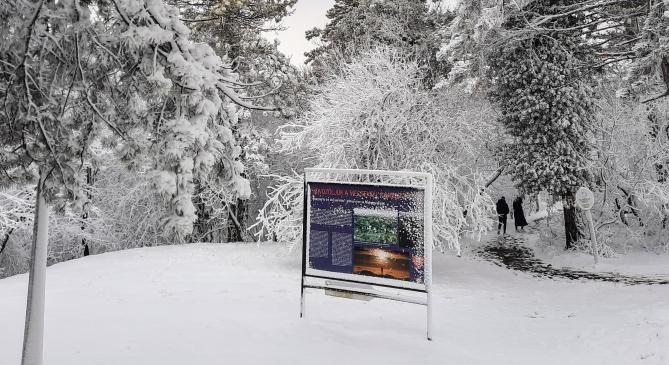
(367,233)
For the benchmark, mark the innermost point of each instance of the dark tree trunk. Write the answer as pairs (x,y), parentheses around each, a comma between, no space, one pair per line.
(236,219)
(621,212)
(570,226)
(5,240)
(632,205)
(635,210)
(202,228)
(89,183)
(494,177)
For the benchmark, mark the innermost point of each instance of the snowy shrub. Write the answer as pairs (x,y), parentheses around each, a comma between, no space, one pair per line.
(376,115)
(631,171)
(16,217)
(122,211)
(603,248)
(125,210)
(65,230)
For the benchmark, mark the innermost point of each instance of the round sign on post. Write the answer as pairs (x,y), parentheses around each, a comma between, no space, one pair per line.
(585,199)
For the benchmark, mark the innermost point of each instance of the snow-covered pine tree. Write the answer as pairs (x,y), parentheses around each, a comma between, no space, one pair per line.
(650,69)
(608,29)
(465,41)
(235,28)
(542,91)
(356,26)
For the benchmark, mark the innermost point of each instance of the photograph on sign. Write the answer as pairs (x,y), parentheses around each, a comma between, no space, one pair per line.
(367,231)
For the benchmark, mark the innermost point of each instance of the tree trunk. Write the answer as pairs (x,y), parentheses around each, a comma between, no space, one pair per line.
(5,240)
(494,177)
(629,197)
(621,212)
(33,336)
(236,219)
(570,226)
(87,204)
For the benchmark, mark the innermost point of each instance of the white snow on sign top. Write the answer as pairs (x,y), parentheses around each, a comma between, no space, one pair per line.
(238,304)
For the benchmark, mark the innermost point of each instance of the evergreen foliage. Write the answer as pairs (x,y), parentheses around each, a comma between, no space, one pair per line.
(354,26)
(650,70)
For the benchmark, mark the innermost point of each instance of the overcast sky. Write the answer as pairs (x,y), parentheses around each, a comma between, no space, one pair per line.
(308,14)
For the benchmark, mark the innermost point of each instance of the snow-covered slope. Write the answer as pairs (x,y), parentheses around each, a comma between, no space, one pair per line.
(238,304)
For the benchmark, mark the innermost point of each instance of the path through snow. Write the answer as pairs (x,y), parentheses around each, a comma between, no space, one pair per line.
(511,251)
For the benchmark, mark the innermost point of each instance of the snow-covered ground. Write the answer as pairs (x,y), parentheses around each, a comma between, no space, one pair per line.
(634,263)
(238,304)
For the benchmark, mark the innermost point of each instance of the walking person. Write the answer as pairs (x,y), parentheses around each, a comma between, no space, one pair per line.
(502,211)
(518,214)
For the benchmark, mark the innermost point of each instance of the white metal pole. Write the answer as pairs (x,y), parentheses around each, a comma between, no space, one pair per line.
(305,238)
(593,236)
(302,302)
(33,336)
(428,253)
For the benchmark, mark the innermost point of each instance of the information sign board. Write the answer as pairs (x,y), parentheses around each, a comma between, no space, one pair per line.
(374,231)
(375,234)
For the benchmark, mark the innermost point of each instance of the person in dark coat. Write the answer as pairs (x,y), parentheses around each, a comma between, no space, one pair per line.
(502,211)
(518,214)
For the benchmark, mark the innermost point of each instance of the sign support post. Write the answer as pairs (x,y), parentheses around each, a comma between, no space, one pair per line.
(304,246)
(585,199)
(593,236)
(428,254)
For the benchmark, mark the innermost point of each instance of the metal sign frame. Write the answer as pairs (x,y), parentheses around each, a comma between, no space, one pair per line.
(358,285)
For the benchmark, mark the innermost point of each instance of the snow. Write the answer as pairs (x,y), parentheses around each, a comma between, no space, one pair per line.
(536,216)
(633,263)
(239,303)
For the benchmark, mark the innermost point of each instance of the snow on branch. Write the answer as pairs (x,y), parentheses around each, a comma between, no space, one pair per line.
(280,218)
(128,67)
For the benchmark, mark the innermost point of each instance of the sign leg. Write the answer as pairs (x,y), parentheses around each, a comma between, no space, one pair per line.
(593,236)
(302,300)
(429,316)
(305,208)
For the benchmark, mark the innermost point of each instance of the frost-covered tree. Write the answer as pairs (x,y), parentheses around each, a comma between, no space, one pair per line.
(235,28)
(630,170)
(547,110)
(465,40)
(75,71)
(376,115)
(612,31)
(650,68)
